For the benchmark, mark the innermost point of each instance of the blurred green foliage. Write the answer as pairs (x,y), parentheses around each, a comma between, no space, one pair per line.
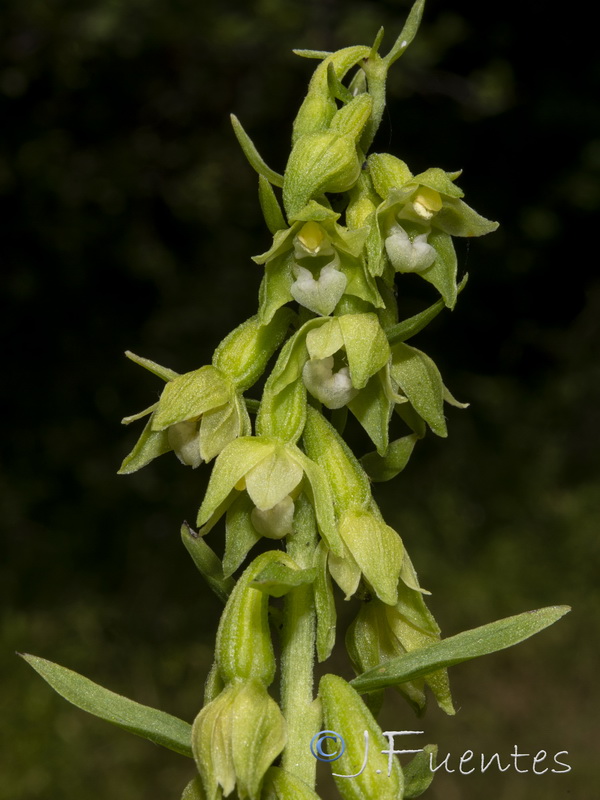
(129,218)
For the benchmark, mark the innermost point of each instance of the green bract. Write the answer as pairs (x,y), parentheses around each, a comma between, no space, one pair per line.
(329,339)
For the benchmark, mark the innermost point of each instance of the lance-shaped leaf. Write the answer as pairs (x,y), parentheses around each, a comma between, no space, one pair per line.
(270,206)
(252,154)
(207,562)
(462,647)
(157,726)
(402,331)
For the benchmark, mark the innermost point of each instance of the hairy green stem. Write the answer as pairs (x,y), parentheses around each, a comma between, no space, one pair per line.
(301,712)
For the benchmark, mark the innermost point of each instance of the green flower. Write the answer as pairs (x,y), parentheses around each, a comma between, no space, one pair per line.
(272,473)
(316,262)
(416,220)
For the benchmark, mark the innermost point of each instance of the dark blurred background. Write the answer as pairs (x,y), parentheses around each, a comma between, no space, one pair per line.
(129,216)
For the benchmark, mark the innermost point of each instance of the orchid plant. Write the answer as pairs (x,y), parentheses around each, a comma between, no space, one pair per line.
(346,226)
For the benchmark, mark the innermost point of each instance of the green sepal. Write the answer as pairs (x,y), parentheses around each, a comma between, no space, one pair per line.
(366,346)
(370,641)
(373,409)
(277,579)
(274,291)
(213,685)
(418,773)
(440,181)
(232,464)
(270,206)
(323,444)
(240,533)
(345,572)
(315,212)
(352,117)
(324,604)
(149,446)
(189,396)
(283,414)
(207,562)
(156,369)
(293,356)
(387,172)
(458,219)
(149,723)
(194,790)
(376,548)
(140,415)
(346,713)
(420,380)
(219,426)
(282,785)
(442,273)
(245,352)
(463,647)
(414,421)
(384,467)
(254,158)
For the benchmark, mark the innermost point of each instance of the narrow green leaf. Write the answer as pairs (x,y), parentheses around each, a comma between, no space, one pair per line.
(463,647)
(253,155)
(207,561)
(270,206)
(410,327)
(408,33)
(157,726)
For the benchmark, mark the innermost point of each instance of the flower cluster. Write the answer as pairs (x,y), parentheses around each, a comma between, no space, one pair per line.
(346,225)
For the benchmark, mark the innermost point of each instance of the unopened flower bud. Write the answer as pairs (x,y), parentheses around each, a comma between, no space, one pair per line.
(236,738)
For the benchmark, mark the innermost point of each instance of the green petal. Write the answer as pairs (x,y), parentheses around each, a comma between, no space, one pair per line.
(232,464)
(273,478)
(366,346)
(458,219)
(149,446)
(188,396)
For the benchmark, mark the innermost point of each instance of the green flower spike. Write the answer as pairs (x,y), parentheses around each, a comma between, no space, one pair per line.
(372,549)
